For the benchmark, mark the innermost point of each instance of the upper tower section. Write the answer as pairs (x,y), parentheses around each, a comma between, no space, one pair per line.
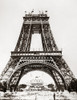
(35,23)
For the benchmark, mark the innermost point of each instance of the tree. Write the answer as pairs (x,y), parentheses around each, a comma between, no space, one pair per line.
(73,86)
(51,86)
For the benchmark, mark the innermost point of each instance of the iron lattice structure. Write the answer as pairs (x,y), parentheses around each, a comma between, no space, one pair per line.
(49,60)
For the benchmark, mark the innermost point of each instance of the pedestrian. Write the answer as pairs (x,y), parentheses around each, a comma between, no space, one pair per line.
(54,96)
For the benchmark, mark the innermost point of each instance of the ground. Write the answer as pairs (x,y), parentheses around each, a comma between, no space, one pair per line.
(38,95)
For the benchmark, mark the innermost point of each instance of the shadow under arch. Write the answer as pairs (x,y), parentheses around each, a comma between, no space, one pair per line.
(48,70)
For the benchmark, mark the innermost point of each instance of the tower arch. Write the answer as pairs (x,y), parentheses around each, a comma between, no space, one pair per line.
(36,66)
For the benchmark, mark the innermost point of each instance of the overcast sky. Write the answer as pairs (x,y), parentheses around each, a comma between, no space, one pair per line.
(63,22)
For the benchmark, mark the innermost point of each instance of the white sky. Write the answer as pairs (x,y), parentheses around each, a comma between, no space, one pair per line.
(36,42)
(63,21)
(38,75)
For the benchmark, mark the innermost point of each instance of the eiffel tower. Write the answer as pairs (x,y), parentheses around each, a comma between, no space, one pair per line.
(49,60)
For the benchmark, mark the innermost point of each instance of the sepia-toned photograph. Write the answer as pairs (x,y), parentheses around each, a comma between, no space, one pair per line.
(38,50)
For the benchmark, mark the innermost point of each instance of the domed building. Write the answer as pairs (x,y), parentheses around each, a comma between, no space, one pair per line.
(37,85)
